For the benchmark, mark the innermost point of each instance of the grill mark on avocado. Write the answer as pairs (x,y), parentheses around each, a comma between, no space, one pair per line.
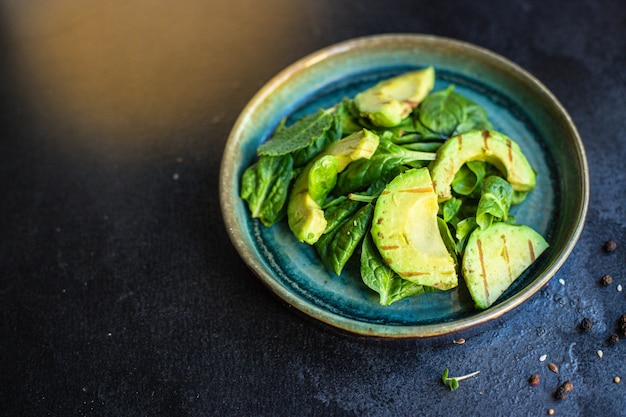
(481,258)
(486,136)
(390,247)
(506,256)
(531,249)
(510,148)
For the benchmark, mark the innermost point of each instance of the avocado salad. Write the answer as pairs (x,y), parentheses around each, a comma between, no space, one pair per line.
(413,184)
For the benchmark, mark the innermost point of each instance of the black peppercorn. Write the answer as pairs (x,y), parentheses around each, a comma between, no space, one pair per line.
(534,380)
(610,246)
(606,280)
(622,319)
(586,324)
(563,390)
(613,339)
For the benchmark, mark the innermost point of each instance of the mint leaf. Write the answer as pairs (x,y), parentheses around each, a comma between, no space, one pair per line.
(303,133)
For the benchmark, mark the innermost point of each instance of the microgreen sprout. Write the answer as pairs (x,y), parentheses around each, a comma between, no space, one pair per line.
(453,382)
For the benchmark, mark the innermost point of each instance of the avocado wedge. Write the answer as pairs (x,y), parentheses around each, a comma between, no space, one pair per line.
(406,232)
(389,102)
(481,145)
(496,256)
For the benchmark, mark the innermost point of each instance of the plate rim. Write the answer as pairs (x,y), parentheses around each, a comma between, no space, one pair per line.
(387,331)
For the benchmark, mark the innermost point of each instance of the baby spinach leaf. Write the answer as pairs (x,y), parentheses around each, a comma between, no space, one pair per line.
(468,180)
(450,210)
(448,240)
(338,211)
(265,186)
(360,174)
(336,248)
(495,201)
(448,113)
(463,230)
(378,276)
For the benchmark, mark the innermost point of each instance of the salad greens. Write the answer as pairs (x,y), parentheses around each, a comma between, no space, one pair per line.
(399,179)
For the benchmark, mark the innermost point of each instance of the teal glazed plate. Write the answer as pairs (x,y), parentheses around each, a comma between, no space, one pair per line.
(518,105)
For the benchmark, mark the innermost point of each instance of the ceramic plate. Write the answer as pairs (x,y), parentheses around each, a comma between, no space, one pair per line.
(517,104)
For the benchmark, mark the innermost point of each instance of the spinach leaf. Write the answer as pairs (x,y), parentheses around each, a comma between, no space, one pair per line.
(265,186)
(348,116)
(468,180)
(450,210)
(337,211)
(336,247)
(300,135)
(448,113)
(464,229)
(378,276)
(448,240)
(360,174)
(495,201)
(424,145)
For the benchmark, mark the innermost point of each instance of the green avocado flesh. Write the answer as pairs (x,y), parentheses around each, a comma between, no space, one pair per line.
(496,256)
(391,101)
(481,145)
(406,232)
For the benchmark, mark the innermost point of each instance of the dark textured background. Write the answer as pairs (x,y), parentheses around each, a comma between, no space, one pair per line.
(120,294)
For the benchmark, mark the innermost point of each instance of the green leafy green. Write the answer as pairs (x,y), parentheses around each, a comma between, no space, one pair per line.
(300,135)
(495,201)
(448,240)
(468,180)
(338,210)
(463,230)
(336,247)
(378,276)
(450,210)
(448,113)
(265,187)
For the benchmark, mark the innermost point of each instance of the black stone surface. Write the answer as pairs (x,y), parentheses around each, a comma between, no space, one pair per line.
(120,294)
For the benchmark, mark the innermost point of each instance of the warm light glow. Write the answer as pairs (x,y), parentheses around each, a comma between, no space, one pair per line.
(126,69)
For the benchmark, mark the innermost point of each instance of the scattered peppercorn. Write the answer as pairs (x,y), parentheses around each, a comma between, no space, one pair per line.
(534,380)
(622,319)
(617,379)
(610,246)
(613,339)
(563,390)
(586,324)
(550,412)
(623,327)
(606,280)
(553,368)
